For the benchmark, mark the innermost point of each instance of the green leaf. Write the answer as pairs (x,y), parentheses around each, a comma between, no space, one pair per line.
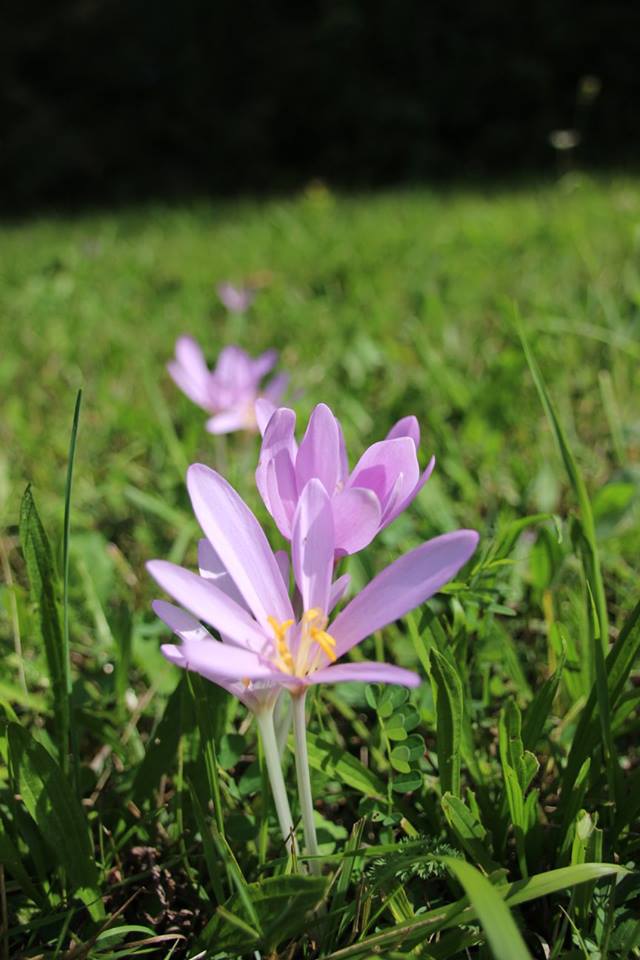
(587,737)
(58,814)
(540,707)
(468,829)
(449,707)
(282,906)
(335,763)
(499,927)
(42,587)
(178,718)
(590,557)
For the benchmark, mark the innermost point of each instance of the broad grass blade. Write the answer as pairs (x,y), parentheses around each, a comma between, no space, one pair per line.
(449,707)
(58,814)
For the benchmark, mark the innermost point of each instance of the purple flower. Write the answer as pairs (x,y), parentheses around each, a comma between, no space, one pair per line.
(231,389)
(235,299)
(242,591)
(382,484)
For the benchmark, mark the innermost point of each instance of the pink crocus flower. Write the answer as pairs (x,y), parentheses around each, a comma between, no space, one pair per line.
(231,389)
(241,592)
(235,299)
(382,484)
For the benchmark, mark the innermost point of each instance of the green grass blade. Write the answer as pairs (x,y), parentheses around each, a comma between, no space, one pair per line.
(58,814)
(66,650)
(587,736)
(590,553)
(42,585)
(500,928)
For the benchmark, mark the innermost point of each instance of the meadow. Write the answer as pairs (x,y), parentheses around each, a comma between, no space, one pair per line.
(493,811)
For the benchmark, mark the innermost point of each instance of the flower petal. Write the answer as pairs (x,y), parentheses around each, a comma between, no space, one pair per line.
(319,454)
(395,508)
(407,427)
(212,568)
(282,559)
(338,589)
(356,517)
(312,546)
(275,388)
(239,541)
(190,372)
(208,603)
(261,366)
(366,672)
(278,443)
(216,661)
(229,421)
(381,465)
(264,410)
(402,586)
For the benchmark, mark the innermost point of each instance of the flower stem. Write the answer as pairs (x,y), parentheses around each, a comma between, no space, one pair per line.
(278,789)
(304,780)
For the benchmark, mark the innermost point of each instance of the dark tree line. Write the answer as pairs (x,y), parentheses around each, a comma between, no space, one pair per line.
(104,100)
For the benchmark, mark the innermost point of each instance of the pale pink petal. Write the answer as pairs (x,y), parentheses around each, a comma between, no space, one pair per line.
(261,366)
(402,586)
(264,410)
(240,543)
(396,507)
(319,453)
(312,546)
(278,437)
(343,462)
(338,589)
(281,492)
(216,661)
(407,427)
(180,622)
(275,388)
(365,672)
(190,372)
(212,568)
(381,465)
(356,517)
(208,603)
(229,421)
(282,559)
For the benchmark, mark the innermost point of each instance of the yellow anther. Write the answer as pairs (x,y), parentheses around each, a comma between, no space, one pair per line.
(326,643)
(280,630)
(310,615)
(246,682)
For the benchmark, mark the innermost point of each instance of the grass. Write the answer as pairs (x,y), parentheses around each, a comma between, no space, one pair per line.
(518,754)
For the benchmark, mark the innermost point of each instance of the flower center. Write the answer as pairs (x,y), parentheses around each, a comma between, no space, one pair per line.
(312,632)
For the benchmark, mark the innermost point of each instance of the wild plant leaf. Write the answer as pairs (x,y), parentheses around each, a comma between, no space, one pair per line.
(448,696)
(58,814)
(284,906)
(330,759)
(178,718)
(468,830)
(539,710)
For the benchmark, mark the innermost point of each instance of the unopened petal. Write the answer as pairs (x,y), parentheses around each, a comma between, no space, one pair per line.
(313,546)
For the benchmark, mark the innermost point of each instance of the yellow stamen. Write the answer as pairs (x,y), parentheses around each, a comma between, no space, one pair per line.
(284,654)
(246,682)
(326,643)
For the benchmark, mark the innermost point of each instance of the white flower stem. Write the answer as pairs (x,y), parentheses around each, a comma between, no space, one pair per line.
(274,769)
(304,780)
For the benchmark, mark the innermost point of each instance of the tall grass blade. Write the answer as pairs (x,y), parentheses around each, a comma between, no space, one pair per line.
(43,585)
(590,551)
(499,927)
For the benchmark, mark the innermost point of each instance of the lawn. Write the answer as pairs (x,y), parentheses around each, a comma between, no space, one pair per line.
(521,751)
